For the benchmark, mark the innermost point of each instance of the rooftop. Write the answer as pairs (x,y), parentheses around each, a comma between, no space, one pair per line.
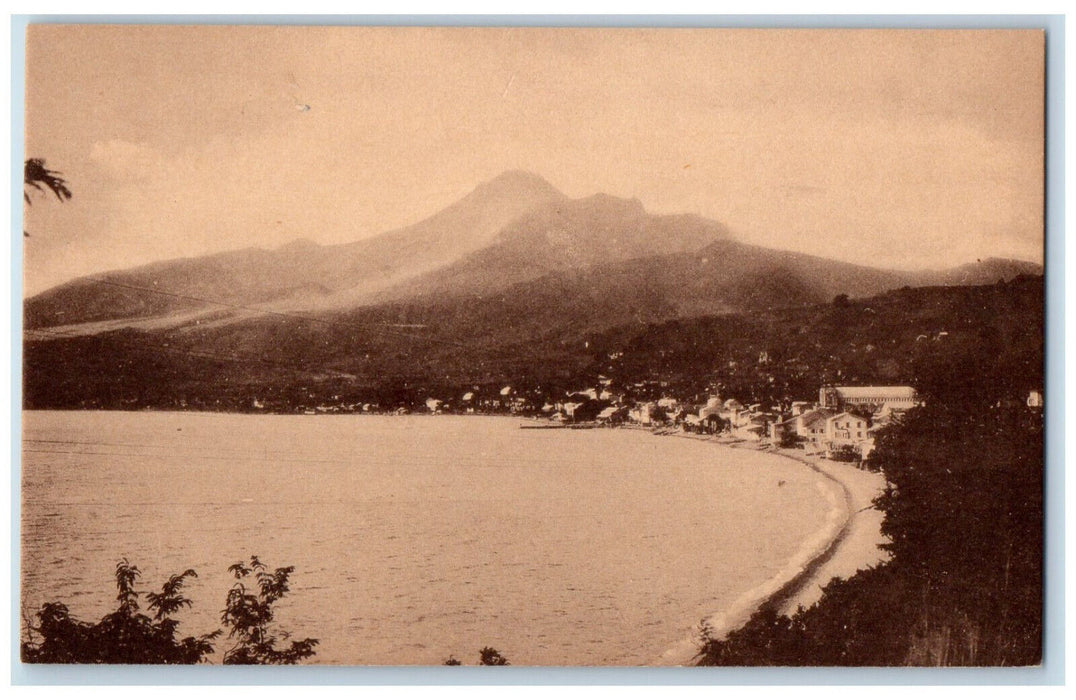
(871,391)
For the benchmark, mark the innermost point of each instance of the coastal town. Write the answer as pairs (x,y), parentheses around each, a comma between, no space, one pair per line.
(840,425)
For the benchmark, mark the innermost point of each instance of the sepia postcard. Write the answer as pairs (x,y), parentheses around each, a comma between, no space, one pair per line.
(615,347)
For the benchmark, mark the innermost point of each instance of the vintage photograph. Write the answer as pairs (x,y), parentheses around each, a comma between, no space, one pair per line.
(615,347)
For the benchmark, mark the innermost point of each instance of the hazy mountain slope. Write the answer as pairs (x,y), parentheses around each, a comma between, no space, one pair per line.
(301,274)
(584,263)
(570,234)
(468,225)
(986,271)
(237,277)
(724,276)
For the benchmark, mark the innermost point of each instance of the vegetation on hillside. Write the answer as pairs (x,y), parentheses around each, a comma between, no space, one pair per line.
(545,347)
(980,342)
(963,511)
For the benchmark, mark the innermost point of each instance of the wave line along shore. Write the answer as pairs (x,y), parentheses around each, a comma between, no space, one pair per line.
(848,541)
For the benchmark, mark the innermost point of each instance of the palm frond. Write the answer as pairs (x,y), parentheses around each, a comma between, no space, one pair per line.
(35,174)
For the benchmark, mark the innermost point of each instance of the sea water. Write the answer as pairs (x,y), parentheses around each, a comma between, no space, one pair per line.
(414,538)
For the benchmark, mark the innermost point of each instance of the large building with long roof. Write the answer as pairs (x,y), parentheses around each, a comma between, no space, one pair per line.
(870,397)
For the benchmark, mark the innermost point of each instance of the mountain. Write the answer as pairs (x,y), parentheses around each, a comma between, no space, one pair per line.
(515,257)
(560,236)
(300,275)
(514,282)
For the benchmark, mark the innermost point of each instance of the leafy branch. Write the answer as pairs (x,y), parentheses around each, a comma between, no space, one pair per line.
(249,616)
(129,636)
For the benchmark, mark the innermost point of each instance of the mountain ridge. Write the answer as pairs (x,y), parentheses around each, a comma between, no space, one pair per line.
(290,272)
(513,234)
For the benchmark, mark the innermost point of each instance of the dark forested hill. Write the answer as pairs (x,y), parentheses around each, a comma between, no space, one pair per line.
(940,339)
(935,338)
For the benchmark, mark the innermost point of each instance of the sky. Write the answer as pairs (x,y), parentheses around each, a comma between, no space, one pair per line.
(905,149)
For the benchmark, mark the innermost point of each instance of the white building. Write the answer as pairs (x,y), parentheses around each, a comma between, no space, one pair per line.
(846,429)
(811,425)
(643,413)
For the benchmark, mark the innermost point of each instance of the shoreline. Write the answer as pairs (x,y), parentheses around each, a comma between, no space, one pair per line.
(847,541)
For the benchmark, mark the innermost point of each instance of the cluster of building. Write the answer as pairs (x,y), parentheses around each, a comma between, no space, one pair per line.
(845,419)
(842,423)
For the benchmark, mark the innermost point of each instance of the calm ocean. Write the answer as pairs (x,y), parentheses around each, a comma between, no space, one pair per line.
(416,537)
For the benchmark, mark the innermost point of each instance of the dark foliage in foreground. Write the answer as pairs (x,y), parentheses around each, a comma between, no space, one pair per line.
(129,636)
(249,614)
(487,656)
(35,174)
(126,636)
(963,511)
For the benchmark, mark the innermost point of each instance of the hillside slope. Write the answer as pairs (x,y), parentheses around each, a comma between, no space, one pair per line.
(584,263)
(300,275)
(567,235)
(368,355)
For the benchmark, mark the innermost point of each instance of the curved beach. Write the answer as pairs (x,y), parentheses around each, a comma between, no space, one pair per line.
(849,540)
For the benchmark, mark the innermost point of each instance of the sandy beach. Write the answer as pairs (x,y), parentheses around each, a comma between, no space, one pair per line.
(849,540)
(860,543)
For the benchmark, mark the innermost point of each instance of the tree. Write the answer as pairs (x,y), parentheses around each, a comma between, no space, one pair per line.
(845,453)
(963,513)
(129,636)
(488,656)
(789,440)
(35,174)
(126,636)
(250,614)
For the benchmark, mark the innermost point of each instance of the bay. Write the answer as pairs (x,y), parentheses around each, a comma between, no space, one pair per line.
(413,537)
